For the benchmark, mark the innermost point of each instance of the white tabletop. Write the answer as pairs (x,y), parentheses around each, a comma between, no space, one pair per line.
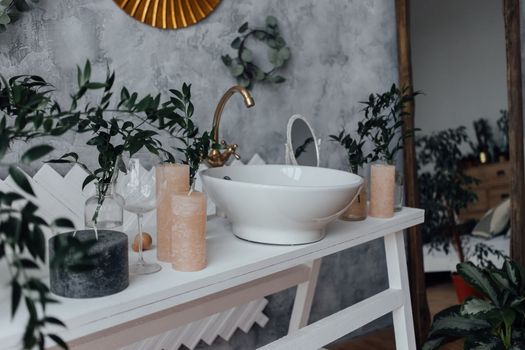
(231,262)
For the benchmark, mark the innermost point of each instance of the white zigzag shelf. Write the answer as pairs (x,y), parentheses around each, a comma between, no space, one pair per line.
(62,196)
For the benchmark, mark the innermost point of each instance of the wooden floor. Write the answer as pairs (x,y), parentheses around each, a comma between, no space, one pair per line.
(440,296)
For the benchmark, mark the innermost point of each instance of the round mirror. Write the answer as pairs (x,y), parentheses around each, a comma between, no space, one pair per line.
(301,147)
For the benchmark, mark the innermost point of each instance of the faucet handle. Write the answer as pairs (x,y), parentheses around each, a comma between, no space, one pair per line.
(230,149)
(233,149)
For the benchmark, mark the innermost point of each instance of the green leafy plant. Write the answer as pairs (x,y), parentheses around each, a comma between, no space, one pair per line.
(116,129)
(384,116)
(354,146)
(244,67)
(195,146)
(27,112)
(444,188)
(496,321)
(10,11)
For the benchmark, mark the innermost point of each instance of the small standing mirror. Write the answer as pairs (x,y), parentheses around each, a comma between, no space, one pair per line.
(302,147)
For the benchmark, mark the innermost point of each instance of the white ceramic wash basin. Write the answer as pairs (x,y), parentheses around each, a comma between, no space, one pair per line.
(280,204)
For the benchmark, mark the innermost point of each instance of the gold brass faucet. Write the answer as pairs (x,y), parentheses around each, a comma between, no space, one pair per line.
(216,158)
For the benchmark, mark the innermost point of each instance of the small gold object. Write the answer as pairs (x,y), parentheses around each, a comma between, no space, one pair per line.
(216,158)
(168,14)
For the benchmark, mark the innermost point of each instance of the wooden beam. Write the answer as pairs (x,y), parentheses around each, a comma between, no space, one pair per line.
(416,271)
(511,10)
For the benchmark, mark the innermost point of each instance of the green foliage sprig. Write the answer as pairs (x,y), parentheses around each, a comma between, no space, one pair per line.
(444,188)
(117,129)
(28,112)
(195,145)
(10,11)
(496,321)
(244,68)
(354,149)
(384,115)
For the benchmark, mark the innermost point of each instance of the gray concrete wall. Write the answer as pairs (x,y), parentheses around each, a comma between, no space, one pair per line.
(341,51)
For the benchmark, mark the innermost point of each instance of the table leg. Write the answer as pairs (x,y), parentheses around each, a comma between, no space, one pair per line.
(398,279)
(303,299)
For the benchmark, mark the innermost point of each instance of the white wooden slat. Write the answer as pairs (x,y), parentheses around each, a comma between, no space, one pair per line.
(261,320)
(213,331)
(231,325)
(49,178)
(48,206)
(341,323)
(204,329)
(250,320)
(192,337)
(248,310)
(224,322)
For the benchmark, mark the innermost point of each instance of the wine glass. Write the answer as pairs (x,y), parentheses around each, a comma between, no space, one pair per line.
(137,187)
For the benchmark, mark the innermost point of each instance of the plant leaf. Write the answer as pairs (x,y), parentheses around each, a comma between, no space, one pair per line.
(20,179)
(477,279)
(36,152)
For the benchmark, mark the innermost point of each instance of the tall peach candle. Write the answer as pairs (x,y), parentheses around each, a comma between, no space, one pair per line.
(382,184)
(171,179)
(188,238)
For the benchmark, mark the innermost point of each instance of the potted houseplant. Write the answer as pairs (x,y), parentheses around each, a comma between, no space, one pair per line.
(28,112)
(496,320)
(357,159)
(444,191)
(384,115)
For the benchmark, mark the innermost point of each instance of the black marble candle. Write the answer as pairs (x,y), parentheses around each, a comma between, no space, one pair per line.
(108,275)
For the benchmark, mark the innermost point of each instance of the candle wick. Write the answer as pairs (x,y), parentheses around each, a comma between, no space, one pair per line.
(96,232)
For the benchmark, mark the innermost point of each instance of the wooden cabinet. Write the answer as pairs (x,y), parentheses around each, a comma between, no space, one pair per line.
(493,188)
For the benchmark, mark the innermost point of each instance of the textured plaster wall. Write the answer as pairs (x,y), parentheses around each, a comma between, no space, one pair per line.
(341,51)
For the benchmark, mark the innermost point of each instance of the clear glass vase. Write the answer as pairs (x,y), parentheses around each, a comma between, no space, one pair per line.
(105,211)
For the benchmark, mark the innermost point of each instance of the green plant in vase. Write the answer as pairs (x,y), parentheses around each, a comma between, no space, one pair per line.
(357,159)
(495,320)
(115,131)
(385,114)
(29,113)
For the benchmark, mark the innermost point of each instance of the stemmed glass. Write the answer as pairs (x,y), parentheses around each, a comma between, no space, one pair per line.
(137,186)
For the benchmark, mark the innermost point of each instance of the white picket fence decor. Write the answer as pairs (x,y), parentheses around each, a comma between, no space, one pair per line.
(62,196)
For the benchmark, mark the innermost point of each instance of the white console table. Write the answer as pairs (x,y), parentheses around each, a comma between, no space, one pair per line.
(238,272)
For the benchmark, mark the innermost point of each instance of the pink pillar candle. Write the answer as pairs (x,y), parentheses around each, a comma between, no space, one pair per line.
(188,231)
(382,184)
(171,179)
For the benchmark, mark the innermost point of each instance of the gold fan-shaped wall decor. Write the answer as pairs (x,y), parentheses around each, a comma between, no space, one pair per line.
(168,14)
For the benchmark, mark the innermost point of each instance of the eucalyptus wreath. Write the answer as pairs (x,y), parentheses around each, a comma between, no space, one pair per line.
(244,68)
(10,11)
